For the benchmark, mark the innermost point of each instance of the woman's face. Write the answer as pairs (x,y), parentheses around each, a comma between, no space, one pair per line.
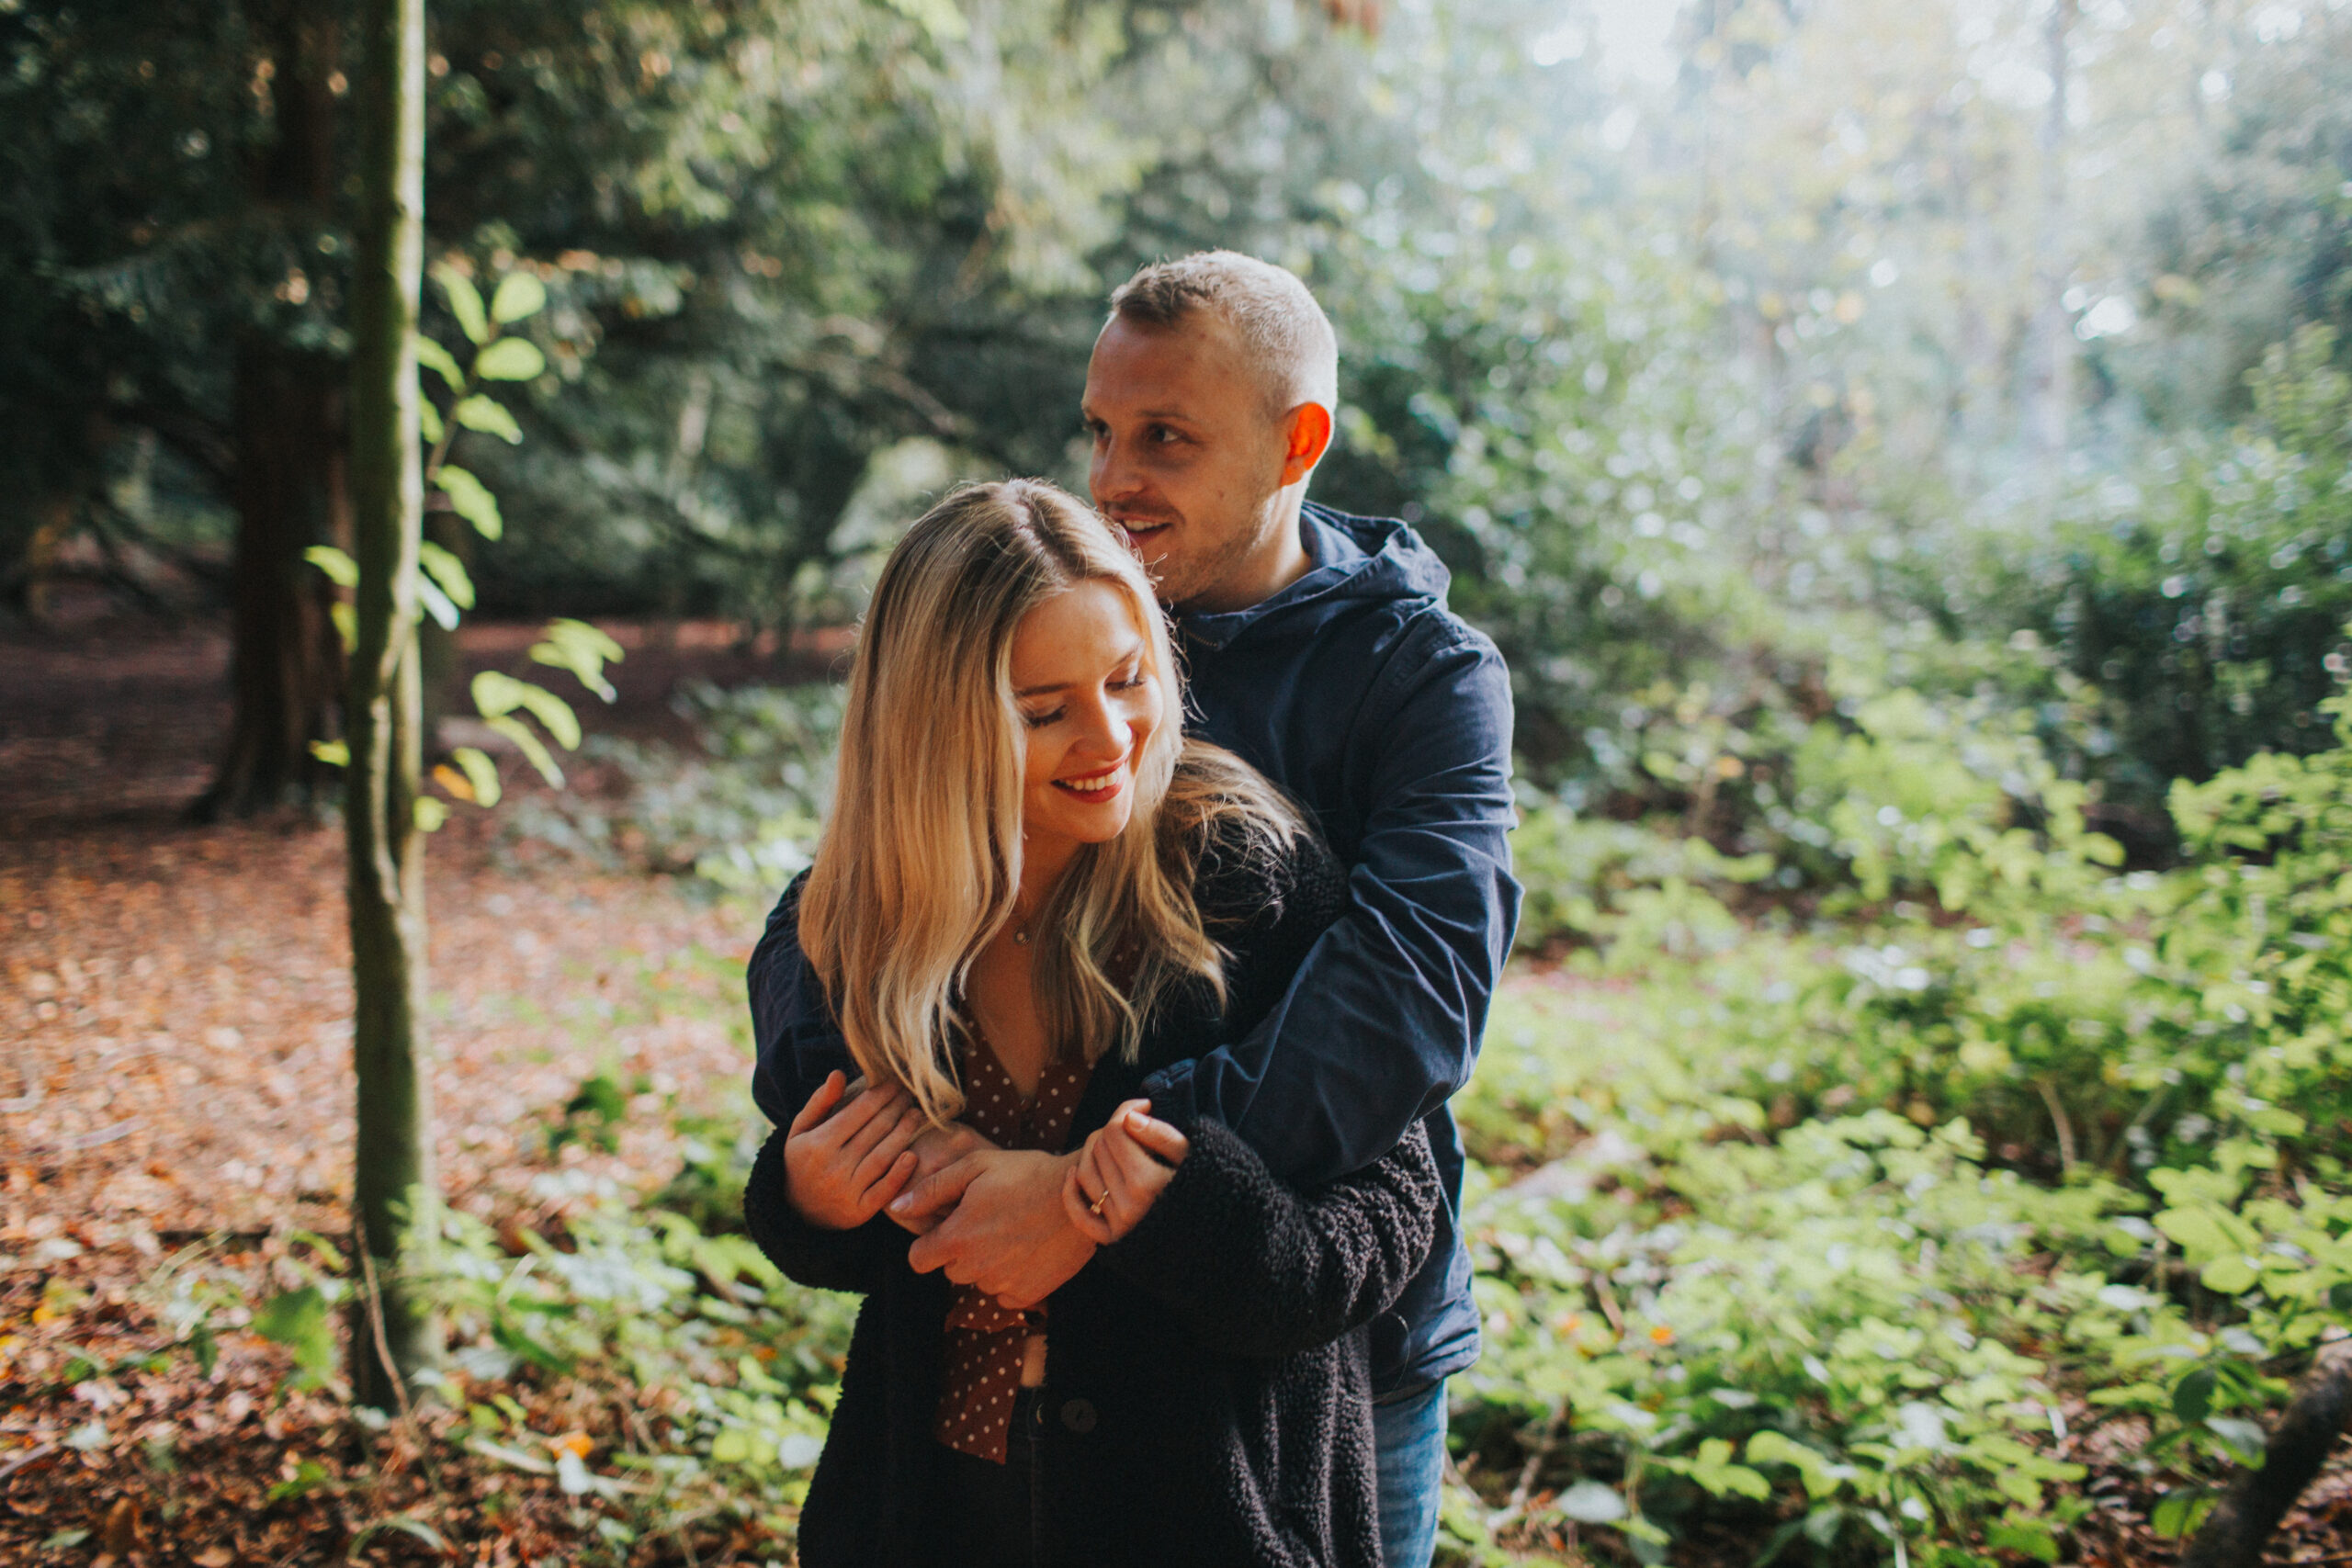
(1089,701)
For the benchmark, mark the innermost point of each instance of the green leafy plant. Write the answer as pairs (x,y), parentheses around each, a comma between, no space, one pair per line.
(444,589)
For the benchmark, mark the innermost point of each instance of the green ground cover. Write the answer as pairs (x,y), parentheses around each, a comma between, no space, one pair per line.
(1878,1194)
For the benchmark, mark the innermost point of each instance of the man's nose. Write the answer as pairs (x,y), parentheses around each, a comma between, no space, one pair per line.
(1110,475)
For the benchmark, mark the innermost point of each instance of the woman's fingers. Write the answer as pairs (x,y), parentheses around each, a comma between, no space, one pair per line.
(1132,1176)
(1129,1162)
(1088,1222)
(828,1095)
(1093,1178)
(868,1120)
(1159,1139)
(885,1152)
(893,1183)
(1124,1181)
(1120,1172)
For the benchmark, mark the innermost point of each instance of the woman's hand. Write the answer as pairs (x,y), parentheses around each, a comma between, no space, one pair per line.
(842,1165)
(1121,1172)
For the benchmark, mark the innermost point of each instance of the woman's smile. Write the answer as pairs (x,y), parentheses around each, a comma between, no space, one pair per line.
(1096,788)
(1089,704)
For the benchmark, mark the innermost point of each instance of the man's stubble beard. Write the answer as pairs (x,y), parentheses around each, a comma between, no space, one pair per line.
(1210,575)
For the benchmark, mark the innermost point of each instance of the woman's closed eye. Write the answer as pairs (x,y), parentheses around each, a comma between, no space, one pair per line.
(1133,679)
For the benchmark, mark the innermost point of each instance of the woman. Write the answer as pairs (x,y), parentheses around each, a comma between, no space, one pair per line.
(1032,893)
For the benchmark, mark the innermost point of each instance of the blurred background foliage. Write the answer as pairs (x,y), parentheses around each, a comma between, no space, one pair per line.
(1903,451)
(1712,346)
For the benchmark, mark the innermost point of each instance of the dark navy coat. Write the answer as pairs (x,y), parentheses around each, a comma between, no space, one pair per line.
(1388,718)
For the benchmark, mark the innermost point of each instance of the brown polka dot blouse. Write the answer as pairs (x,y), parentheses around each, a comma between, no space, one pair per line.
(985,1341)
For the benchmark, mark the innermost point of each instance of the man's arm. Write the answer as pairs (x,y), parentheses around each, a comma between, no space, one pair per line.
(1381,1024)
(792,1024)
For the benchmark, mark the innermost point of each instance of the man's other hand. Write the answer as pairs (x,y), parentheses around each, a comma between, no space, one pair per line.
(1008,1234)
(936,1149)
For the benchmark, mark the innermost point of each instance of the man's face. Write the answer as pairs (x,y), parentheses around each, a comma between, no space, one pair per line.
(1188,458)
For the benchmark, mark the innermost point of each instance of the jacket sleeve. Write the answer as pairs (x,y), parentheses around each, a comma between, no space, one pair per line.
(1255,1269)
(1381,1023)
(798,1043)
(857,1259)
(793,1030)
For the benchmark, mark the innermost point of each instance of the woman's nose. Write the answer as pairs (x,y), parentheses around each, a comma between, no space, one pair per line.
(1108,731)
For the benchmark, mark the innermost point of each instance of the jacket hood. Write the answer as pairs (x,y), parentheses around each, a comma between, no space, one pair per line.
(1356,558)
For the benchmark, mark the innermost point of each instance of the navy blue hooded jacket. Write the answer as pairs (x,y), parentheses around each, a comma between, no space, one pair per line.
(1389,720)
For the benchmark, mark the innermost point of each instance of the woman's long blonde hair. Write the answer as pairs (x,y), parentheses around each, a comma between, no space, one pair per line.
(920,862)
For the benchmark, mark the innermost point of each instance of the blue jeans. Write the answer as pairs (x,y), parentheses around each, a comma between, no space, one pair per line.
(1408,1439)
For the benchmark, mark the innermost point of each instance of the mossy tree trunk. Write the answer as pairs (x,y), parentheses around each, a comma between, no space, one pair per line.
(394,1186)
(289,486)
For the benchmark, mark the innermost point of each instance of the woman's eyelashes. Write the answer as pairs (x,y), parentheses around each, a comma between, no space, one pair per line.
(1134,678)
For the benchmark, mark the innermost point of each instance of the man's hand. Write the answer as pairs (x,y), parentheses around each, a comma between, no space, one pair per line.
(839,1169)
(1008,1234)
(936,1148)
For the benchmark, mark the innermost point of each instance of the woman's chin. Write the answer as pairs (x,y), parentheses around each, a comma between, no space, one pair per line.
(1089,825)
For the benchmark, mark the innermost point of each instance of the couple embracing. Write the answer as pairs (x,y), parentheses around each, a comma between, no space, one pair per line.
(1109,1037)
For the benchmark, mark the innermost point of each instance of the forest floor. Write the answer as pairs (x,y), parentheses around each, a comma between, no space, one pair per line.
(174,1086)
(175,1073)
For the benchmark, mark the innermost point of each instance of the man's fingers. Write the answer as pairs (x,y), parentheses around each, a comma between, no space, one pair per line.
(940,1246)
(828,1095)
(938,1191)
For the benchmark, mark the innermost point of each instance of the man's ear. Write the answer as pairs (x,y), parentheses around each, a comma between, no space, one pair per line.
(1308,438)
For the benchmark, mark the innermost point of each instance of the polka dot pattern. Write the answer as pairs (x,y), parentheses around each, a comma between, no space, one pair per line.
(985,1341)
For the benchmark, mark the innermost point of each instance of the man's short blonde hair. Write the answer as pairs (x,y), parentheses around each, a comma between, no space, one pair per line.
(1281,326)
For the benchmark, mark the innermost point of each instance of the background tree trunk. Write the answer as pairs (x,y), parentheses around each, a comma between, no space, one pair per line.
(2234,1535)
(289,489)
(285,669)
(394,1188)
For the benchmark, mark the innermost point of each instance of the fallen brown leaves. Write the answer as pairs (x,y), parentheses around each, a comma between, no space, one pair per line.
(175,1089)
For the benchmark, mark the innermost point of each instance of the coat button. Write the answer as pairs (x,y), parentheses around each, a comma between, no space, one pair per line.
(1078,1416)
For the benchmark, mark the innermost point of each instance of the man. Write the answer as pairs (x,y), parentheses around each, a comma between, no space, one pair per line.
(1321,650)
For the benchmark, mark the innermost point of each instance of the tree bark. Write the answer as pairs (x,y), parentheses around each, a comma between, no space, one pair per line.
(288,488)
(285,669)
(395,1193)
(2234,1532)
